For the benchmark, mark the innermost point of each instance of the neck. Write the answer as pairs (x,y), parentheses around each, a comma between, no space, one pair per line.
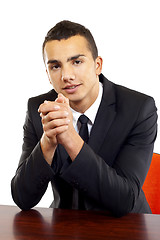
(83,105)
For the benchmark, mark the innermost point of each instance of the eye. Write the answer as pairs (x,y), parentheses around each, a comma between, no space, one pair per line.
(77,62)
(55,67)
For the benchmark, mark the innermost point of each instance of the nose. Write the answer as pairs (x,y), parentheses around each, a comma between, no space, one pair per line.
(67,74)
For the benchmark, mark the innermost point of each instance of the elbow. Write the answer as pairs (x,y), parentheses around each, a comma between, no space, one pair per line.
(123,209)
(123,204)
(20,200)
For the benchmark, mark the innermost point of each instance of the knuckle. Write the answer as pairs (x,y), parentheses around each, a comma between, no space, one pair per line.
(65,113)
(45,128)
(49,116)
(43,120)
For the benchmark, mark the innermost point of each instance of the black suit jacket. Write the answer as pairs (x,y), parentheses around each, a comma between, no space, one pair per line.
(109,171)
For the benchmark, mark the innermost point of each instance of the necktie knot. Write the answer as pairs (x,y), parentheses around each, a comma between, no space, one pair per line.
(83,119)
(84,128)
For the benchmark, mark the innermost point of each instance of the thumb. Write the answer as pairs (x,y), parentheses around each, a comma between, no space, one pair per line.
(62,99)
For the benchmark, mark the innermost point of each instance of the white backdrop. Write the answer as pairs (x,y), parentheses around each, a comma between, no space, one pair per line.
(128,37)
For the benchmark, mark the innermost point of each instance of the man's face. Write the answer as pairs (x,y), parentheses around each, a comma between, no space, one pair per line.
(72,71)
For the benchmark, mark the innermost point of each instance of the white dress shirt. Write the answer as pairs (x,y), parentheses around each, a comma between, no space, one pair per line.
(90,113)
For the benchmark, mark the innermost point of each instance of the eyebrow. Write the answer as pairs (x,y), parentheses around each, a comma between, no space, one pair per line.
(75,57)
(68,60)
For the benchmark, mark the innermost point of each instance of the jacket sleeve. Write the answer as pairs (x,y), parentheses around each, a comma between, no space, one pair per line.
(33,173)
(117,188)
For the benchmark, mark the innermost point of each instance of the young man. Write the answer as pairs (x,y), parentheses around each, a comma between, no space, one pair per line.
(104,172)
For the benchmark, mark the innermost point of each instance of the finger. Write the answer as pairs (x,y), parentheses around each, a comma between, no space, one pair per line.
(53,115)
(59,100)
(62,98)
(48,106)
(55,123)
(53,128)
(56,131)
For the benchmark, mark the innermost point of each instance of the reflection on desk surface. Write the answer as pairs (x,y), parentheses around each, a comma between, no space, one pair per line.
(45,223)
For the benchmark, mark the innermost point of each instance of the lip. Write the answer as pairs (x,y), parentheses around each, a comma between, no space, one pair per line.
(72,88)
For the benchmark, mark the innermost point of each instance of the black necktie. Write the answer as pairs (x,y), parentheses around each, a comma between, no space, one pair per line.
(78,202)
(84,128)
(83,132)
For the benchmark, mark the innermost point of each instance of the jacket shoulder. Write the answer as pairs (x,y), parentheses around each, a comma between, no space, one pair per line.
(135,106)
(133,99)
(37,100)
(127,101)
(124,92)
(123,96)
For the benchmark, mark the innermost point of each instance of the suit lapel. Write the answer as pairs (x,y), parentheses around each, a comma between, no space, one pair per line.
(105,115)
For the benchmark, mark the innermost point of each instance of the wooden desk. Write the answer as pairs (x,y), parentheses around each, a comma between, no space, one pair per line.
(44,223)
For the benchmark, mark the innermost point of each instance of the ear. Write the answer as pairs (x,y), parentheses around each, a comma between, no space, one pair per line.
(48,76)
(99,63)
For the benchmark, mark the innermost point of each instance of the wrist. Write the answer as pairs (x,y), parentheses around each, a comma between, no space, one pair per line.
(73,146)
(48,148)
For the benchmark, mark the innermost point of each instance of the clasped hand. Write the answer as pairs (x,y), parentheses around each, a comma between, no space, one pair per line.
(57,121)
(56,118)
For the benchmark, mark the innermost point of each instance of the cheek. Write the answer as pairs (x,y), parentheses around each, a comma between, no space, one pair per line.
(84,71)
(55,79)
(87,75)
(55,85)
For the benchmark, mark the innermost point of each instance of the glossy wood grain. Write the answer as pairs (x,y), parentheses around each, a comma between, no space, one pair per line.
(57,224)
